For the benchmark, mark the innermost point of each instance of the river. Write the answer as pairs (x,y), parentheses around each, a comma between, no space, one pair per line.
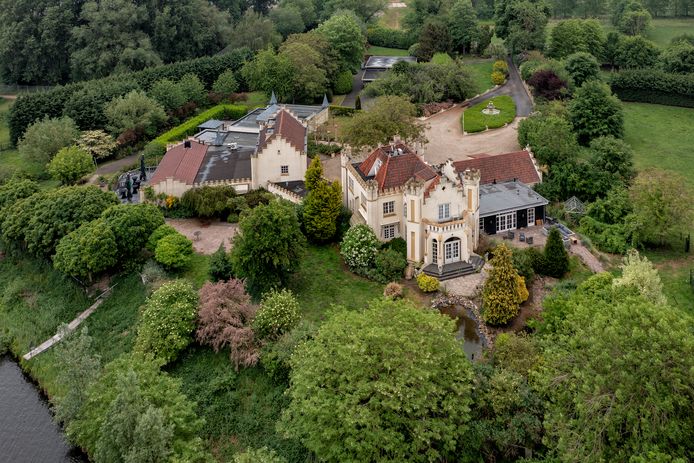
(27,431)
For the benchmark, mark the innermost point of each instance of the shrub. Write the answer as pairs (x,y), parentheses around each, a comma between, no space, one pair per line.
(336,110)
(582,67)
(496,50)
(504,290)
(97,143)
(654,86)
(224,320)
(15,189)
(154,150)
(278,314)
(500,66)
(87,251)
(391,38)
(343,83)
(393,290)
(523,263)
(153,274)
(547,84)
(261,455)
(208,201)
(190,127)
(132,226)
(43,139)
(226,83)
(134,112)
(70,165)
(397,244)
(167,321)
(359,247)
(220,265)
(427,283)
(275,356)
(678,57)
(498,78)
(556,262)
(390,265)
(174,251)
(159,233)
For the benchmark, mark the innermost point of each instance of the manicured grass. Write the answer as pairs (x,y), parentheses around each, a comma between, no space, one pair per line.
(5,106)
(665,29)
(383,51)
(481,73)
(674,267)
(661,136)
(323,281)
(474,120)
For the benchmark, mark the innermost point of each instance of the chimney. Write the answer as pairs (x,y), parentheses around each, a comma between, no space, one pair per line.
(187,144)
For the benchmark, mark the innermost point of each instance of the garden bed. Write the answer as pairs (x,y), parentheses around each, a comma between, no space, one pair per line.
(473,120)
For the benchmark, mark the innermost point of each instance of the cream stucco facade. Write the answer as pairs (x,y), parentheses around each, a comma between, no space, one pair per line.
(278,162)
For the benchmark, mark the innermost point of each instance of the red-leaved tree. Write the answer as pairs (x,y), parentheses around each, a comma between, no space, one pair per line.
(224,320)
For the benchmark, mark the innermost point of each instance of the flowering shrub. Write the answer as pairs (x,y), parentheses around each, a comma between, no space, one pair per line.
(393,290)
(427,283)
(498,78)
(359,247)
(167,321)
(500,66)
(278,314)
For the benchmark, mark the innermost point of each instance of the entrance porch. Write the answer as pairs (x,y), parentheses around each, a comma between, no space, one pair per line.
(454,269)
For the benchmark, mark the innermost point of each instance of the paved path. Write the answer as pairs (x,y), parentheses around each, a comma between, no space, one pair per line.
(70,328)
(357,86)
(514,88)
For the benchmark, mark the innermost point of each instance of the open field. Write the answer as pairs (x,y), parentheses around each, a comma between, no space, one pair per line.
(661,136)
(383,51)
(664,29)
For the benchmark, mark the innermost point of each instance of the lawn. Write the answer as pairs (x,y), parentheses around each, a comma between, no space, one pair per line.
(661,136)
(383,51)
(5,106)
(392,17)
(481,73)
(674,268)
(473,120)
(664,29)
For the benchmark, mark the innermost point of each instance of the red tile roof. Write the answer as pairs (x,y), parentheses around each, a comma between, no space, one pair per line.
(287,127)
(396,169)
(502,167)
(180,163)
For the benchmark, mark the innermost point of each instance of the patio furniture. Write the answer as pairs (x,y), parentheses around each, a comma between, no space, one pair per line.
(511,235)
(529,240)
(521,237)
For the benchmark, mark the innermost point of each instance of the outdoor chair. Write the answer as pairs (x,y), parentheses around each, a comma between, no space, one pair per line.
(529,240)
(521,237)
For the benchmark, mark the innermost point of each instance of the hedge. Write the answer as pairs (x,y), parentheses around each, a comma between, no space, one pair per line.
(35,106)
(654,86)
(336,110)
(391,38)
(189,127)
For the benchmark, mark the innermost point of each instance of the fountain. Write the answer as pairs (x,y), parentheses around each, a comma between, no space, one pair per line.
(490,110)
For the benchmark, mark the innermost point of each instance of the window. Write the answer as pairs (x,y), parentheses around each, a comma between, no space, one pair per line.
(531,217)
(444,211)
(434,252)
(363,201)
(452,250)
(481,223)
(404,210)
(389,231)
(389,208)
(351,184)
(506,222)
(284,170)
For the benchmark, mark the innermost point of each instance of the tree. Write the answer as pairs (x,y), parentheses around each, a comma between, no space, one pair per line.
(307,8)
(134,111)
(160,232)
(636,52)
(582,67)
(193,89)
(117,406)
(504,290)
(309,80)
(208,201)
(168,94)
(463,26)
(359,247)
(364,9)
(550,138)
(417,410)
(254,31)
(87,251)
(322,207)
(613,159)
(389,116)
(314,174)
(77,368)
(43,139)
(15,189)
(167,321)
(618,363)
(577,35)
(262,455)
(638,272)
(225,316)
(269,72)
(663,210)
(678,58)
(522,24)
(345,36)
(225,84)
(97,143)
(278,314)
(634,18)
(70,165)
(268,248)
(434,37)
(287,20)
(220,265)
(556,261)
(110,38)
(547,84)
(174,251)
(132,225)
(596,112)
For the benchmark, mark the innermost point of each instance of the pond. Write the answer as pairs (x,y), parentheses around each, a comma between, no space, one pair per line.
(28,433)
(467,330)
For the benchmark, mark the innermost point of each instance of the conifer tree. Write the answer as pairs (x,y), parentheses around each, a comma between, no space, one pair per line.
(556,258)
(504,290)
(314,173)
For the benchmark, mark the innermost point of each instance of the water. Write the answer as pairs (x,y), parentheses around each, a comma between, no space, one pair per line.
(27,431)
(466,330)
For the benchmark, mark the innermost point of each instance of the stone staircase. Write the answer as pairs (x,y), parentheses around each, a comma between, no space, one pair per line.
(455,269)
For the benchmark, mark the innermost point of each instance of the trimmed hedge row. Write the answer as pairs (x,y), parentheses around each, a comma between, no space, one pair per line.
(52,103)
(391,38)
(654,86)
(189,127)
(336,110)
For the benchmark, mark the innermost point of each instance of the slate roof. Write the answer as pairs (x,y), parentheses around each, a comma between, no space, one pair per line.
(210,124)
(398,165)
(507,197)
(387,62)
(181,163)
(502,167)
(287,127)
(222,163)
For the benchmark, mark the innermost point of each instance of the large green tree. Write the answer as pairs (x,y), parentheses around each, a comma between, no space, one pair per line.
(463,26)
(364,9)
(43,139)
(322,205)
(577,35)
(522,23)
(504,290)
(269,246)
(269,72)
(618,378)
(678,57)
(132,226)
(582,67)
(254,31)
(309,81)
(87,251)
(636,52)
(346,37)
(134,112)
(70,164)
(393,369)
(596,112)
(550,138)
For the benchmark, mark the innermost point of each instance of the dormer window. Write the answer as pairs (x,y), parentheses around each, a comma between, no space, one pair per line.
(377,165)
